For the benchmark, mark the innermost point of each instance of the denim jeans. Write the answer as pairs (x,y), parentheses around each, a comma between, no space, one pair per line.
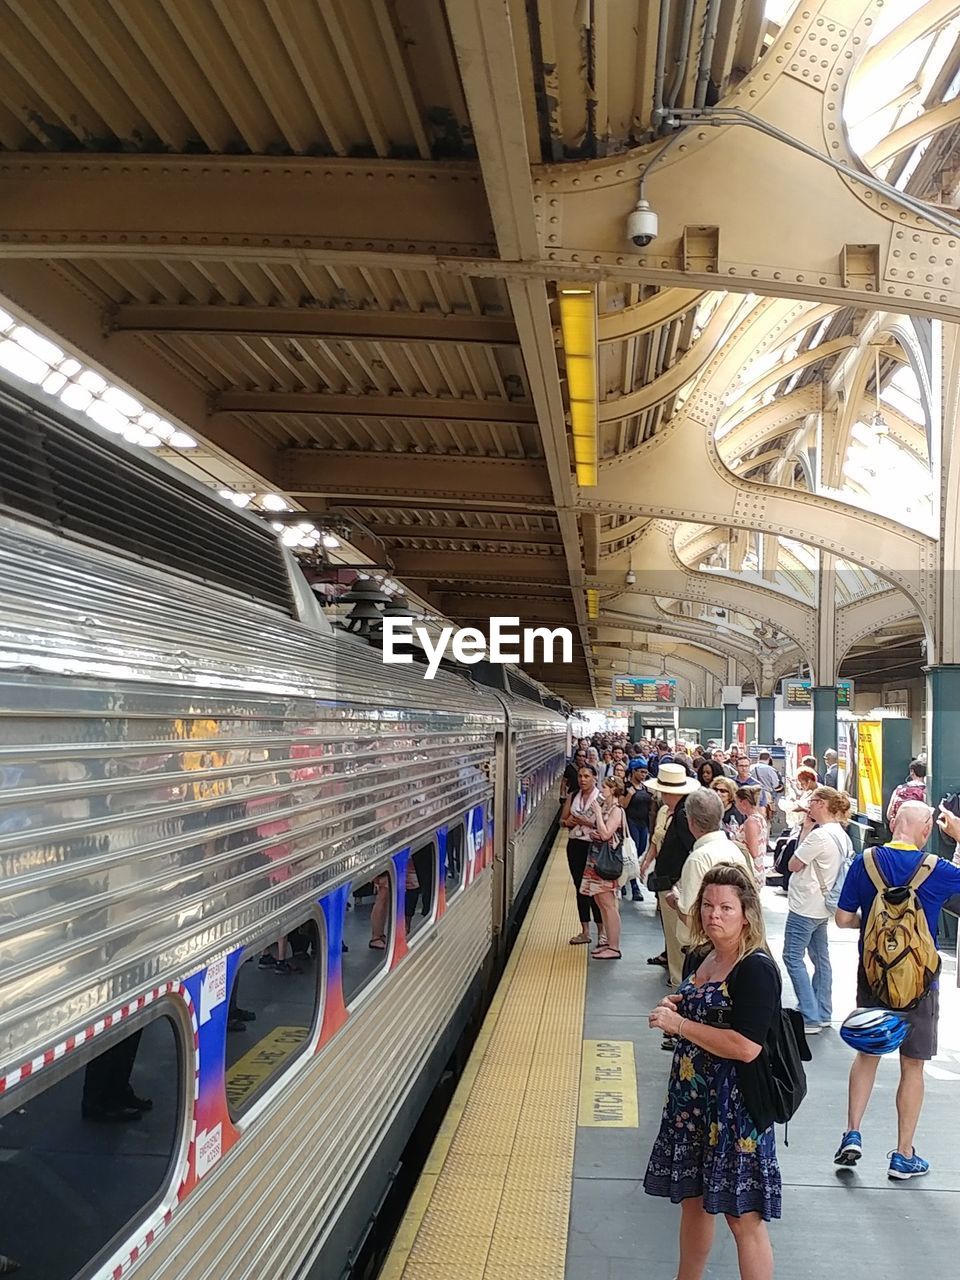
(802,937)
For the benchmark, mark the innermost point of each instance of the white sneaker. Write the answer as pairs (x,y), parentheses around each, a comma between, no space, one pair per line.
(812,1028)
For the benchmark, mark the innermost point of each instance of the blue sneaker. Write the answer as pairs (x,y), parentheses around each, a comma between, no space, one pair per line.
(850,1149)
(903,1167)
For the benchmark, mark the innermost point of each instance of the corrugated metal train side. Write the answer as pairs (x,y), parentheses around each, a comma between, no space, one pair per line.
(185,778)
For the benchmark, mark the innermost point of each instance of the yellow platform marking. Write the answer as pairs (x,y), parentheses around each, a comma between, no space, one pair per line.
(493,1201)
(257,1065)
(608,1085)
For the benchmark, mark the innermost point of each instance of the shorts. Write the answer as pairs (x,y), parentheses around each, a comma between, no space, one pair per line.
(921,1041)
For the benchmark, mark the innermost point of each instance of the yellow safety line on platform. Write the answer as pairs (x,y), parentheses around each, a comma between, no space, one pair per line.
(493,1201)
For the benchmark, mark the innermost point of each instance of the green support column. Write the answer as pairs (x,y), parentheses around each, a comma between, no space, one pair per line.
(765,732)
(943,740)
(730,715)
(824,719)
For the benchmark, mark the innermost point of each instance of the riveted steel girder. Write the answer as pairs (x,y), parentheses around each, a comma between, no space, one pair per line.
(483,567)
(679,474)
(631,322)
(769,421)
(656,622)
(310,322)
(468,607)
(867,617)
(444,408)
(621,638)
(501,482)
(660,572)
(215,207)
(831,238)
(619,408)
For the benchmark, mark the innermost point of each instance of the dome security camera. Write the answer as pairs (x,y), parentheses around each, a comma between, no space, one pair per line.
(642,224)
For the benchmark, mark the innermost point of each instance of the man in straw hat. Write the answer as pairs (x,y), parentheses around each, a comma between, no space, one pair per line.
(671,785)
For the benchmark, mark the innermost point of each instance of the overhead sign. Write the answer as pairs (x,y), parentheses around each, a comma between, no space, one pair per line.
(870,769)
(645,690)
(797,694)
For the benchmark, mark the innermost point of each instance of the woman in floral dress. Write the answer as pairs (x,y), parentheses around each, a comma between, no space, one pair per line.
(708,1156)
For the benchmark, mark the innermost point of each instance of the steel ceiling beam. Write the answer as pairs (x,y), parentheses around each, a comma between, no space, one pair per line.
(135,206)
(469,608)
(485,48)
(339,473)
(461,533)
(321,323)
(644,317)
(444,409)
(480,567)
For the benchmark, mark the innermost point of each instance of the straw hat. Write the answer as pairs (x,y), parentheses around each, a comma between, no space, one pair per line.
(672,778)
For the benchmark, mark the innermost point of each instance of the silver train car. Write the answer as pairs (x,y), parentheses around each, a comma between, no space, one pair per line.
(255,883)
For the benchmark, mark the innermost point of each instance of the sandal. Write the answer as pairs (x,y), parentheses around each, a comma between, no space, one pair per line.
(606,953)
(377,944)
(580,940)
(661,959)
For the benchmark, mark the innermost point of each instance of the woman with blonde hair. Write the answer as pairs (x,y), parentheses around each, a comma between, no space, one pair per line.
(814,869)
(709,1156)
(753,834)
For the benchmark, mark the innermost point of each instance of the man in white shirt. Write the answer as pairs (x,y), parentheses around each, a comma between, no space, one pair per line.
(704,810)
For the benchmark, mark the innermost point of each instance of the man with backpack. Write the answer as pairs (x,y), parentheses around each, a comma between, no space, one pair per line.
(894,894)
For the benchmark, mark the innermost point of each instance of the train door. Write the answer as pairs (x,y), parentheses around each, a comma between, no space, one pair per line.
(504,834)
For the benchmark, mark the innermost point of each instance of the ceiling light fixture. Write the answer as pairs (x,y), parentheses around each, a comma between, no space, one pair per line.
(578,325)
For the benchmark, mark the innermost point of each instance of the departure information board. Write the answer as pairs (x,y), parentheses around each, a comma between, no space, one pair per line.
(645,690)
(797,694)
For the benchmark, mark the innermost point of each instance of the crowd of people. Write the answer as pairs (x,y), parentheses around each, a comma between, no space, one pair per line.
(701,822)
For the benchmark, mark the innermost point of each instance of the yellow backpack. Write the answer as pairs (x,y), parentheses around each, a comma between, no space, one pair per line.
(899,955)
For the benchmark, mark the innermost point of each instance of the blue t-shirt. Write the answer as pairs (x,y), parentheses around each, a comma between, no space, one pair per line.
(897,866)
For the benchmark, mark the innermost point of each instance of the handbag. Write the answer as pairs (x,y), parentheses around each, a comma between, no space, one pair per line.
(631,859)
(608,861)
(774,1084)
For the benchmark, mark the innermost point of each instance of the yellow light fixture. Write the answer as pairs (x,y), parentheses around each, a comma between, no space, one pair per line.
(593,602)
(578,324)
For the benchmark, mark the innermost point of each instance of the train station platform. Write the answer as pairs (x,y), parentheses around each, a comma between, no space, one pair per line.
(536,1173)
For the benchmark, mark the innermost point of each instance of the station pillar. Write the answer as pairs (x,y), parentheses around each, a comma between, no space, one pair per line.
(765,729)
(943,737)
(730,712)
(824,698)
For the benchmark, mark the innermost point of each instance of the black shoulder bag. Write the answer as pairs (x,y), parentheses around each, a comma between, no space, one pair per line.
(774,1083)
(608,857)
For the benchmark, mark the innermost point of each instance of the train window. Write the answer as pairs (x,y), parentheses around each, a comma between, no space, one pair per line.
(419,896)
(454,859)
(273,1007)
(368,924)
(92,1142)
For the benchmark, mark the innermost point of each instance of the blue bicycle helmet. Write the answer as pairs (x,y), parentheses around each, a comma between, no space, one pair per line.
(874,1030)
